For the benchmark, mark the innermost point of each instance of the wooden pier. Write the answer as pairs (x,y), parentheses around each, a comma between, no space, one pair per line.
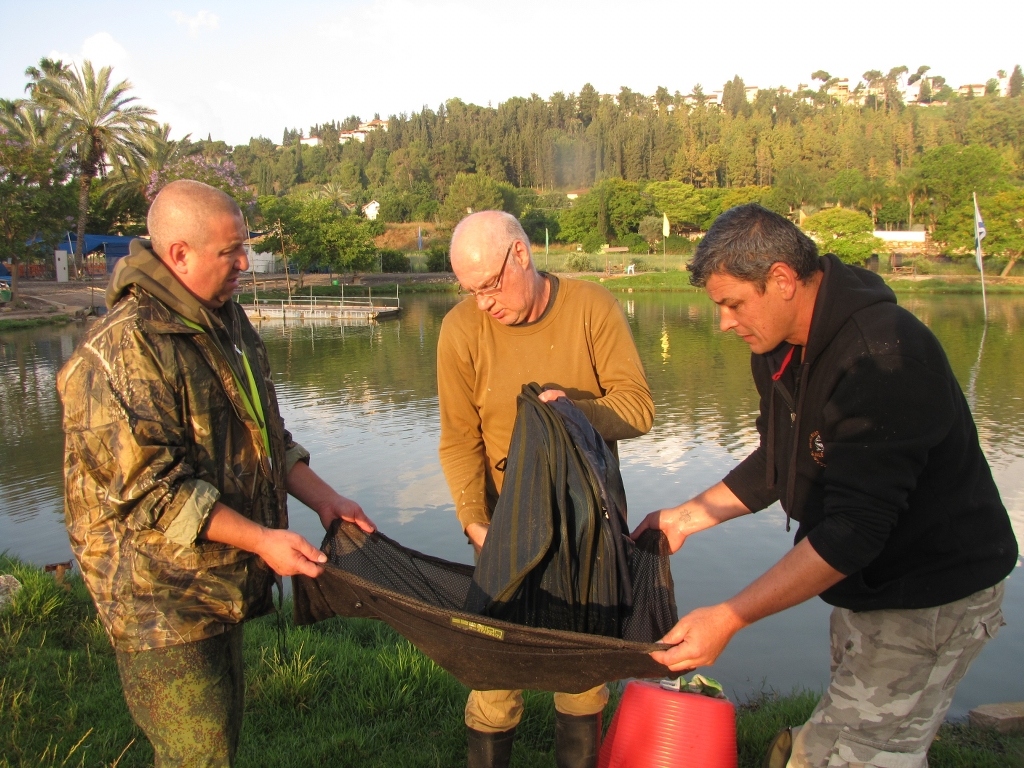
(316,308)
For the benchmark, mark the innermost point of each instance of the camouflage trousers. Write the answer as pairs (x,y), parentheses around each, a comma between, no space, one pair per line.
(894,673)
(188,699)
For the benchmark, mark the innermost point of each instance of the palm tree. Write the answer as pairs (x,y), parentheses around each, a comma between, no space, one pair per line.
(336,192)
(48,68)
(30,125)
(132,185)
(874,195)
(102,125)
(157,151)
(912,186)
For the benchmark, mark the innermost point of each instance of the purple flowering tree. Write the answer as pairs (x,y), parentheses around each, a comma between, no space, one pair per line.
(220,174)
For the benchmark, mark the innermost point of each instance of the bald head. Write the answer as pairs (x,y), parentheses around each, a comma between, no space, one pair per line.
(491,258)
(481,239)
(183,212)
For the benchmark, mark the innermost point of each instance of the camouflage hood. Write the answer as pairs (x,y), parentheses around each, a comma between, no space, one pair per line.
(142,267)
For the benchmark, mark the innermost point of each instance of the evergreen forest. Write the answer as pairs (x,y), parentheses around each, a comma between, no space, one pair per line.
(78,151)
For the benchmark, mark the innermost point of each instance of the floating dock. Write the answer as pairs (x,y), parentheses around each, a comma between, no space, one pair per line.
(358,309)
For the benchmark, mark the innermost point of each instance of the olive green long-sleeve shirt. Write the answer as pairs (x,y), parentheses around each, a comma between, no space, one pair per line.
(581,345)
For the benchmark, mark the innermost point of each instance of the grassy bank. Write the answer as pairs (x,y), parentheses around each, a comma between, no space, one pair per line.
(673,281)
(665,282)
(994,286)
(346,693)
(17,324)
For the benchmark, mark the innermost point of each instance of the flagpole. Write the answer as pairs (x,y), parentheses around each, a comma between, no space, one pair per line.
(979,234)
(666,230)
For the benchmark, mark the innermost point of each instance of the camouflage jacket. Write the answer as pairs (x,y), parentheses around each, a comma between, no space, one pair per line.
(157,431)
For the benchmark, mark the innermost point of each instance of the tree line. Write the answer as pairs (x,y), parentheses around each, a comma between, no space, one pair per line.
(80,146)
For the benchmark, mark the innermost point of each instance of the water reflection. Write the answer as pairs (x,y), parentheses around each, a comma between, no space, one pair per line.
(364,401)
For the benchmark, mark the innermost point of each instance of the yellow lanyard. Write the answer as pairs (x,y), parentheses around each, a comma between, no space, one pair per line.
(251,399)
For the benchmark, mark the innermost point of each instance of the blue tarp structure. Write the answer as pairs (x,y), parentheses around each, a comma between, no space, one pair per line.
(113,246)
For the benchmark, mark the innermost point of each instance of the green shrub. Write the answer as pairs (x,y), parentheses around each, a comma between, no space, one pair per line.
(393,260)
(437,259)
(677,244)
(592,243)
(579,262)
(635,243)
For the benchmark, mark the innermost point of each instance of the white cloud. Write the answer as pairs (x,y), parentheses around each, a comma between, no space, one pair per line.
(202,20)
(101,49)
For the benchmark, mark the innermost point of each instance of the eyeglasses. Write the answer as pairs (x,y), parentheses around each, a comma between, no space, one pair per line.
(495,289)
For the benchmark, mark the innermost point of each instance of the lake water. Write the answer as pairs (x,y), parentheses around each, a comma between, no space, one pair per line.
(363,400)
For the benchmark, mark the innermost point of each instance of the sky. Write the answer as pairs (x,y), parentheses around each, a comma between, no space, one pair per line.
(236,70)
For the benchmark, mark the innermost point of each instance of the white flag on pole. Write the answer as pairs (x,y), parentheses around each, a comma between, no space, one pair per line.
(665,229)
(979,233)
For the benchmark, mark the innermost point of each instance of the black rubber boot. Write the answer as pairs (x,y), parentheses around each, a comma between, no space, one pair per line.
(489,750)
(577,739)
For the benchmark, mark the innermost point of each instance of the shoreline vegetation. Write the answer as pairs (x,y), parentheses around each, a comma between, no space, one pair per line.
(671,281)
(21,323)
(347,692)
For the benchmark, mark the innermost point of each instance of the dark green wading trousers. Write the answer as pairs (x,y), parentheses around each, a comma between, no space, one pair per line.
(188,699)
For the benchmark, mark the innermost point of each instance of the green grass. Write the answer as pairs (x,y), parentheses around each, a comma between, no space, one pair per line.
(940,285)
(679,281)
(671,281)
(346,692)
(34,322)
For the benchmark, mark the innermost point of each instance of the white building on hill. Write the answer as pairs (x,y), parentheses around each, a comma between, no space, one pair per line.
(371,209)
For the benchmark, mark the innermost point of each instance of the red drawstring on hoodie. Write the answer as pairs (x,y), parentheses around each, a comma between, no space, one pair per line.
(782,369)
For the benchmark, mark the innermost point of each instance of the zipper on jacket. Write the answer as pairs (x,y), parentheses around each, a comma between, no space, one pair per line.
(251,400)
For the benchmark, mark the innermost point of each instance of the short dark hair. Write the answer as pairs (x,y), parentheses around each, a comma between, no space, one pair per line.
(746,240)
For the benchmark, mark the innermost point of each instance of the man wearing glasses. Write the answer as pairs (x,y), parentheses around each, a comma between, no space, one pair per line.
(517,326)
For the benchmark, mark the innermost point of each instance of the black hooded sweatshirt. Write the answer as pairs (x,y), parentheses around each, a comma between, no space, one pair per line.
(868,442)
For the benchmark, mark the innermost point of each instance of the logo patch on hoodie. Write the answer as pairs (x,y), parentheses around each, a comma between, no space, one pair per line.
(817,448)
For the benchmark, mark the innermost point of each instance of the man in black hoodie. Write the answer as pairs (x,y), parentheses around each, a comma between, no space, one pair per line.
(868,443)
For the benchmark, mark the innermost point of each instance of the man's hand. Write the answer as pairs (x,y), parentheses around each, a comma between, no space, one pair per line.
(305,485)
(699,638)
(550,395)
(288,554)
(341,508)
(674,523)
(477,532)
(715,505)
(701,635)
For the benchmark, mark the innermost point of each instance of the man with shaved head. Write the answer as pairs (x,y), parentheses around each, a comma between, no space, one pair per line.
(177,471)
(517,326)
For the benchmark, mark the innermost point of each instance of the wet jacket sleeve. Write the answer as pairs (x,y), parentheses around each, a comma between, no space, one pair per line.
(748,480)
(124,422)
(462,452)
(882,420)
(625,408)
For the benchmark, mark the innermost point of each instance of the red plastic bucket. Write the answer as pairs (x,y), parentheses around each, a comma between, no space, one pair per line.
(658,728)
